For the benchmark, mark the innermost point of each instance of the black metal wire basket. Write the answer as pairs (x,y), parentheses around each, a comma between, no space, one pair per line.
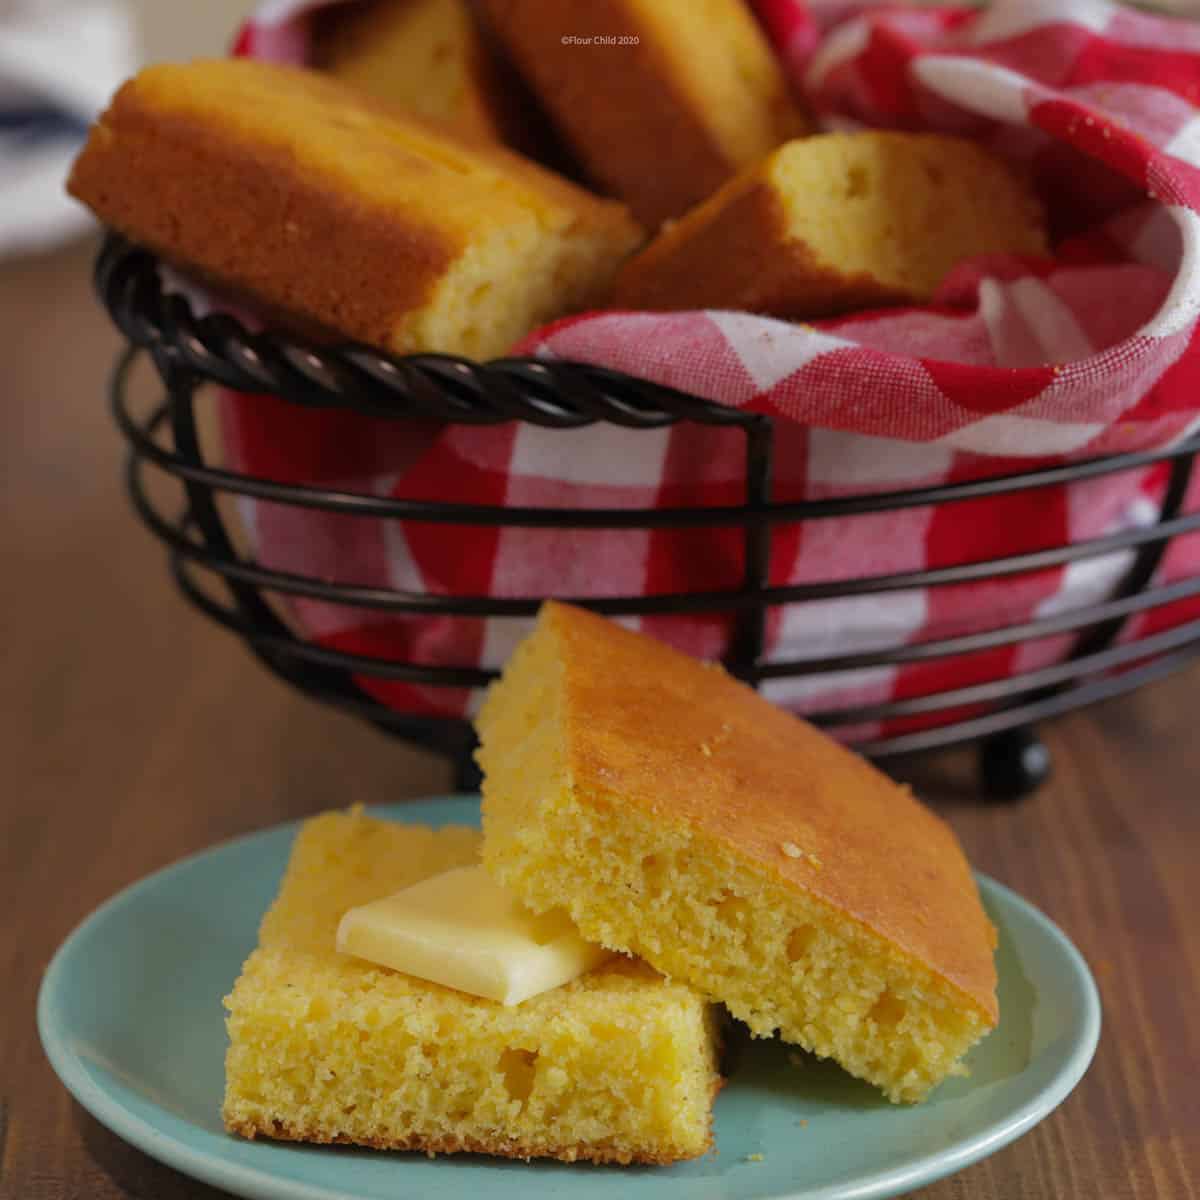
(190,352)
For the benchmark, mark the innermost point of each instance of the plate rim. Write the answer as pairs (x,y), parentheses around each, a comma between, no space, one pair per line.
(236,1177)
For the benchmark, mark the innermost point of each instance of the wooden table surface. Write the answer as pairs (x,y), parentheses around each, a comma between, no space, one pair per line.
(135,732)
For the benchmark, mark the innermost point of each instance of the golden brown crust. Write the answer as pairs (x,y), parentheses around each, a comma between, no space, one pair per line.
(638,717)
(645,141)
(740,257)
(245,217)
(450,1144)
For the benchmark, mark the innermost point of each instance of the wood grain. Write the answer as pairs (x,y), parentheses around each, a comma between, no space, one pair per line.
(135,733)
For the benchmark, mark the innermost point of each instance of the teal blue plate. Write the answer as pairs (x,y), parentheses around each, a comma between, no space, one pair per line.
(130,1016)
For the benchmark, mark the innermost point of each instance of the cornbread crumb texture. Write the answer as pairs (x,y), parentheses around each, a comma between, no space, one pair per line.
(290,188)
(618,1066)
(838,222)
(427,56)
(666,100)
(870,946)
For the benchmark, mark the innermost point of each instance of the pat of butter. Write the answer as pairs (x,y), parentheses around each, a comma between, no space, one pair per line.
(463,930)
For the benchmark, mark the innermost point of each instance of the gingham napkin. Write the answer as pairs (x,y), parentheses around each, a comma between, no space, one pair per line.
(60,60)
(1013,366)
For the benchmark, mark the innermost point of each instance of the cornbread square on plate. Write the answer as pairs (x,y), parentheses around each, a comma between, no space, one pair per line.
(677,815)
(292,189)
(838,222)
(662,100)
(617,1066)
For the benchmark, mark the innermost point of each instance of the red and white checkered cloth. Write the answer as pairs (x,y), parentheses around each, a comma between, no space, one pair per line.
(1016,364)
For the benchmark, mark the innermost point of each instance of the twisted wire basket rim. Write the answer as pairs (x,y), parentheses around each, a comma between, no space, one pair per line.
(189,348)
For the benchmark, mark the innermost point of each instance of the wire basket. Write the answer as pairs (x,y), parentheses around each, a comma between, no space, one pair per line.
(190,352)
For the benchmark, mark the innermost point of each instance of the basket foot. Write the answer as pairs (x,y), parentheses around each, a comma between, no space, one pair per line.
(1013,764)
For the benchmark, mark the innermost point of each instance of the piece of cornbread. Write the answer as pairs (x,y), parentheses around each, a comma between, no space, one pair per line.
(662,100)
(838,222)
(678,815)
(285,186)
(427,56)
(617,1066)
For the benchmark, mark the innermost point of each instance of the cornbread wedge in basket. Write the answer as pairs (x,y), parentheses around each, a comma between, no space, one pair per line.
(843,221)
(298,193)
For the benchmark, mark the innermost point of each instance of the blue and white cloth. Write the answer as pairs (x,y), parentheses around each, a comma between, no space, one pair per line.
(60,61)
